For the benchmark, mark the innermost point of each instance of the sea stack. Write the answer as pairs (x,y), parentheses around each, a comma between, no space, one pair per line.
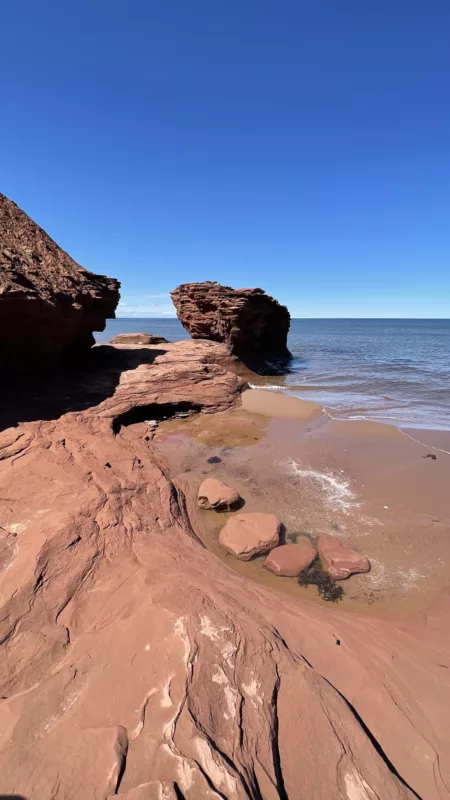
(253,324)
(49,304)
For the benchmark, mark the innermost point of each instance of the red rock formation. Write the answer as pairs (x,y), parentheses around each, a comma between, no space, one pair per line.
(254,325)
(137,338)
(135,663)
(49,305)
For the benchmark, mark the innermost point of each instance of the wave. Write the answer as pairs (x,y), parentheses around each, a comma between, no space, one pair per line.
(394,372)
(270,387)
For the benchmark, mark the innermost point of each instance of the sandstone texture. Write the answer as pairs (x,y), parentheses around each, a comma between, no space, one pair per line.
(49,304)
(289,560)
(134,663)
(137,338)
(338,559)
(249,535)
(250,322)
(214,494)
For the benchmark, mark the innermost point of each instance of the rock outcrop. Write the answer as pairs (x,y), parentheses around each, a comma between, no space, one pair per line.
(253,324)
(49,304)
(135,663)
(137,338)
(338,559)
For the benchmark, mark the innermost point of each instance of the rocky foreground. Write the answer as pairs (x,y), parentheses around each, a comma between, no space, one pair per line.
(135,663)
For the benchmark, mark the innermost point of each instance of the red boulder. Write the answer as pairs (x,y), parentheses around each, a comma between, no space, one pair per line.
(289,560)
(338,559)
(248,535)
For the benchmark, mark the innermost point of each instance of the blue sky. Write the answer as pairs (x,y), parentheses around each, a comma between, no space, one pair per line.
(303,147)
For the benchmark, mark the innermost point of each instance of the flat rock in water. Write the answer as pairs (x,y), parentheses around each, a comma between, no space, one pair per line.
(248,535)
(339,560)
(137,338)
(289,560)
(214,494)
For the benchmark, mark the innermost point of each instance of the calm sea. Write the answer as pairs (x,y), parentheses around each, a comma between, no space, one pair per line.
(387,370)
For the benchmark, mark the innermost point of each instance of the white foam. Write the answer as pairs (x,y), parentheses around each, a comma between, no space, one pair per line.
(378,573)
(428,446)
(269,388)
(409,578)
(382,577)
(337,490)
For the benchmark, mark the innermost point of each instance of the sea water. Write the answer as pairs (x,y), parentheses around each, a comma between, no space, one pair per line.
(389,370)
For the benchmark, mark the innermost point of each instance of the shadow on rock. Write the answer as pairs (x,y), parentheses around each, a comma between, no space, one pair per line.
(52,394)
(12,797)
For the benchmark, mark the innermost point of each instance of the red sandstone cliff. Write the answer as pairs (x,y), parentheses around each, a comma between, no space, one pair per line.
(49,304)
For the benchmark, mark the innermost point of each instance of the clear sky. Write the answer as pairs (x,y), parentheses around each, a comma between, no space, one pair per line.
(303,147)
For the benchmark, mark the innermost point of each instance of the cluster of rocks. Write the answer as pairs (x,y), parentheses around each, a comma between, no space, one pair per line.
(252,534)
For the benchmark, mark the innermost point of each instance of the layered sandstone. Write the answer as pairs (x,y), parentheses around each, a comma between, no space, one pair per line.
(49,304)
(134,663)
(137,338)
(250,322)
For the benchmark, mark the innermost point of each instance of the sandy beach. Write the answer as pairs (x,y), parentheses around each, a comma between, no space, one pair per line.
(368,483)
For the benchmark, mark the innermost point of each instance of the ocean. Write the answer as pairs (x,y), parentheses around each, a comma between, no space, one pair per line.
(388,370)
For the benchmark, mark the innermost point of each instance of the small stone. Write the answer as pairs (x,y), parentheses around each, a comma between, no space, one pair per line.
(214,494)
(248,535)
(339,560)
(289,560)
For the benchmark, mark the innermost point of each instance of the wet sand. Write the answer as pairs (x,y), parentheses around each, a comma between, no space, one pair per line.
(280,406)
(365,482)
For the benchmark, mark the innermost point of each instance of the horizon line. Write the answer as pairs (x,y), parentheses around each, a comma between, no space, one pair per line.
(430,319)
